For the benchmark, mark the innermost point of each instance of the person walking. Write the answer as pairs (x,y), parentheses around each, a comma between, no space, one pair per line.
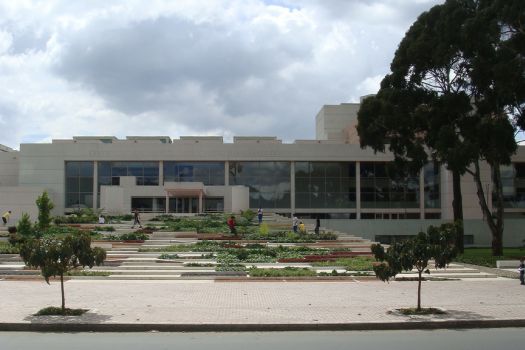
(231,225)
(260,215)
(317,225)
(5,217)
(295,222)
(136,218)
(521,270)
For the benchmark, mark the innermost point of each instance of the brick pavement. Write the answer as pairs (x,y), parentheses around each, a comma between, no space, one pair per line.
(208,302)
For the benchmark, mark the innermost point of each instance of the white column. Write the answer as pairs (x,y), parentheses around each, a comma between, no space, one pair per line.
(227,173)
(292,186)
(95,184)
(200,202)
(161,173)
(167,203)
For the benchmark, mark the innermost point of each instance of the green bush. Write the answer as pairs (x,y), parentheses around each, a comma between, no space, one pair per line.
(57,311)
(104,228)
(131,236)
(248,214)
(24,226)
(166,256)
(230,267)
(45,206)
(6,248)
(284,272)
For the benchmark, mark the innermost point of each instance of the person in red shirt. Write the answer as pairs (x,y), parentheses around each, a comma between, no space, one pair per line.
(231,224)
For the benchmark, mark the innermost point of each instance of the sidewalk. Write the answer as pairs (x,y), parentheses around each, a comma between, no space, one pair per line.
(208,305)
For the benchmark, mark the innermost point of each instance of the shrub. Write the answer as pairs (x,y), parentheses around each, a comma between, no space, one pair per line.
(24,226)
(168,256)
(12,229)
(45,206)
(248,214)
(104,228)
(56,311)
(285,272)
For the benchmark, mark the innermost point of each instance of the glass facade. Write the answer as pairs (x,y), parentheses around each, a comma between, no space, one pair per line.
(383,187)
(269,182)
(146,173)
(209,173)
(513,180)
(149,204)
(325,185)
(79,185)
(432,185)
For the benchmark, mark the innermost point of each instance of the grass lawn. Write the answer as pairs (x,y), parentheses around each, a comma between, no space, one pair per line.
(483,256)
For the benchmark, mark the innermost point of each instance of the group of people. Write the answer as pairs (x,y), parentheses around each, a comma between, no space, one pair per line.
(298,225)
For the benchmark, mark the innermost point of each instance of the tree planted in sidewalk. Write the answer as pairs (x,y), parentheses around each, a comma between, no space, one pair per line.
(55,257)
(415,253)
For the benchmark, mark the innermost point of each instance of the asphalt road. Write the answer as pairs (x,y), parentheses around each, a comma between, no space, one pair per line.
(486,339)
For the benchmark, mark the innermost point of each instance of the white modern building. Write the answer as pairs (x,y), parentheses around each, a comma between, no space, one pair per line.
(330,177)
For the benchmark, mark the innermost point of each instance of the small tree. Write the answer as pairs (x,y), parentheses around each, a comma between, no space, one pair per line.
(55,257)
(45,206)
(24,226)
(437,244)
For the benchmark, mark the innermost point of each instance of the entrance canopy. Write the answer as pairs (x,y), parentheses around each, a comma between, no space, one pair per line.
(184,190)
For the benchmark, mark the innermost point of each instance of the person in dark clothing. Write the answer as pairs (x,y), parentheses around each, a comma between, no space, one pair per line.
(317,225)
(136,218)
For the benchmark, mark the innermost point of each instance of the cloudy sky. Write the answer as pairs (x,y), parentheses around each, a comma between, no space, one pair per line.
(187,67)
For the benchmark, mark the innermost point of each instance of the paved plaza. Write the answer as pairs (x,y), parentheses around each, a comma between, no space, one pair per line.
(212,303)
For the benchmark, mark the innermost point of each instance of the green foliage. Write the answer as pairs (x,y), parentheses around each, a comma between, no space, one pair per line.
(166,256)
(248,214)
(44,204)
(436,244)
(55,257)
(358,263)
(82,216)
(456,93)
(6,248)
(484,257)
(104,228)
(230,267)
(57,311)
(86,273)
(264,230)
(131,236)
(24,226)
(284,272)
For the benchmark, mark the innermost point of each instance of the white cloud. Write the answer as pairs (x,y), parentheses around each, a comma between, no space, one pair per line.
(239,67)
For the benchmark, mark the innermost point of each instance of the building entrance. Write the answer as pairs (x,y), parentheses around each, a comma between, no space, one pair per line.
(184,205)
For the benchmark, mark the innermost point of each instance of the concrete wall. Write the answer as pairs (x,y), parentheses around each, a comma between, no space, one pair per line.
(9,166)
(20,199)
(513,235)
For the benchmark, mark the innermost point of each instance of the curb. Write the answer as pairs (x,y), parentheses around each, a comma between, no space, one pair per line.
(279,327)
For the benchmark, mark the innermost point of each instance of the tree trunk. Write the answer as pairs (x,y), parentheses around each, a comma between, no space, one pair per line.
(62,290)
(497,239)
(495,224)
(419,290)
(457,205)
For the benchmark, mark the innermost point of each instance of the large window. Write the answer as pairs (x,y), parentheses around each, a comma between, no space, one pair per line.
(149,204)
(209,173)
(146,173)
(513,180)
(432,185)
(269,182)
(325,185)
(383,187)
(79,185)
